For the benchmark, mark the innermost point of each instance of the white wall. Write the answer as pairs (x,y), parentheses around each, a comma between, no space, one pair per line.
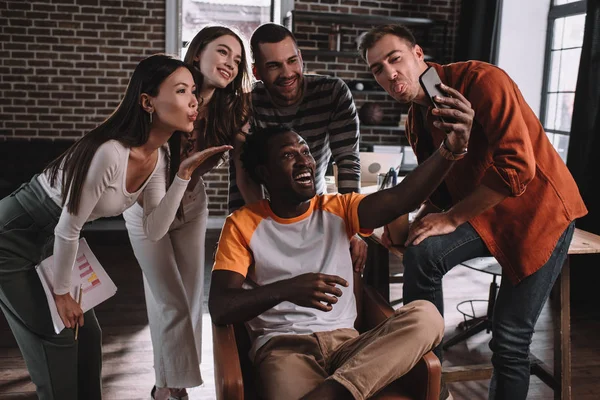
(522,46)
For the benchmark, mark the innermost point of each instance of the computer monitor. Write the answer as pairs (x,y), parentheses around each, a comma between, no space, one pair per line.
(373,164)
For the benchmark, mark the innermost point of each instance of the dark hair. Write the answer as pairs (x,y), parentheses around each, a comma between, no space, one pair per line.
(255,151)
(369,38)
(129,124)
(269,33)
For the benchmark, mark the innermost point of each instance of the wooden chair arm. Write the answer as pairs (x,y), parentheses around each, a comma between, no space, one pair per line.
(429,371)
(375,308)
(229,383)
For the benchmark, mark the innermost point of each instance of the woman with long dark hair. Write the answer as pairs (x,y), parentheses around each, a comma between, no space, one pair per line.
(173,266)
(101,175)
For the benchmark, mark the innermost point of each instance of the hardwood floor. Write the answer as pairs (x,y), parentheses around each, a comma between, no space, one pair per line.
(128,371)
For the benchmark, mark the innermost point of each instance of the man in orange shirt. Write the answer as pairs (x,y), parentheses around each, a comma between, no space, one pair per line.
(510,195)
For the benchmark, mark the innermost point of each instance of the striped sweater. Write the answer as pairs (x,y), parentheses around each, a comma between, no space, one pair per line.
(326,118)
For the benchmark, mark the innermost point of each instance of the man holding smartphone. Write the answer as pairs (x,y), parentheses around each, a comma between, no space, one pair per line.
(509,195)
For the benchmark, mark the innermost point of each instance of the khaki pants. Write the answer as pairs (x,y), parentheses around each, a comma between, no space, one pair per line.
(290,366)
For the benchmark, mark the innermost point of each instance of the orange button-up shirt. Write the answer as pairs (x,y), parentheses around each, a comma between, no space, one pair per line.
(510,153)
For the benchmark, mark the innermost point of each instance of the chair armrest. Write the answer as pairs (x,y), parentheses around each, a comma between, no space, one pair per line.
(229,383)
(424,379)
(375,308)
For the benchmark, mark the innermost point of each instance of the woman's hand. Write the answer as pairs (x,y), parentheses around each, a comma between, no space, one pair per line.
(205,158)
(70,312)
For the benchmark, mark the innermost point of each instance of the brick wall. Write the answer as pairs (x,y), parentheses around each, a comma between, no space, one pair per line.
(65,64)
(314,35)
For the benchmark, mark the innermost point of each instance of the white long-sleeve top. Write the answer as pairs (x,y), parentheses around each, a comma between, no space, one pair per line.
(104,194)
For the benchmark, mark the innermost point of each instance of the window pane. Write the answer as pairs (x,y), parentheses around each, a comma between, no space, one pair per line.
(564,111)
(243,15)
(551,112)
(573,31)
(561,144)
(569,69)
(554,70)
(557,35)
(560,2)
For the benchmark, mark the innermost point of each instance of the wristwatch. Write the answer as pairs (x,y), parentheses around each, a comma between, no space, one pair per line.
(448,154)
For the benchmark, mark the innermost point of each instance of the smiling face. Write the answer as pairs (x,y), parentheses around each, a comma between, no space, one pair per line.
(175,107)
(279,66)
(290,169)
(219,61)
(396,66)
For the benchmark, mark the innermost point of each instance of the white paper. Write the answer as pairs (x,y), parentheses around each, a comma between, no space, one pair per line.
(87,272)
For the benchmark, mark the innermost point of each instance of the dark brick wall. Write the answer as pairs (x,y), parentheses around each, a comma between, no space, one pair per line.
(65,64)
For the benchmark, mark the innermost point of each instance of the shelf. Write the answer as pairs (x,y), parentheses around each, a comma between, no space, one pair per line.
(368,91)
(383,127)
(334,53)
(358,19)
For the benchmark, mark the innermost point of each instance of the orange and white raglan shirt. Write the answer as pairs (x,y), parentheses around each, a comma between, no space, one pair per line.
(265,249)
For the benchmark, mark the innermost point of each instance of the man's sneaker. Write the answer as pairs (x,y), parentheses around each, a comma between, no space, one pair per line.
(444,392)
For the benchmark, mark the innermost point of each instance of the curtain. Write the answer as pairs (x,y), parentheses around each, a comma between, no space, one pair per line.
(583,159)
(478,30)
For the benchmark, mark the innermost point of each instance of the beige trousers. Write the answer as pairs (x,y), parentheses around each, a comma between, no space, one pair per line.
(173,269)
(290,366)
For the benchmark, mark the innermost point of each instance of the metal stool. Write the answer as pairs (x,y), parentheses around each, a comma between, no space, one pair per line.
(475,324)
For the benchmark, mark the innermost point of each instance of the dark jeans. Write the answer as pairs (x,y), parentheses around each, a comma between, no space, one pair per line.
(60,367)
(517,306)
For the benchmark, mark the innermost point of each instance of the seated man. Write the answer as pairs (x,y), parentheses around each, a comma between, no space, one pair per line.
(282,266)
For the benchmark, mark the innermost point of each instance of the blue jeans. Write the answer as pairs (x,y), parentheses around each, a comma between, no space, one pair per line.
(517,306)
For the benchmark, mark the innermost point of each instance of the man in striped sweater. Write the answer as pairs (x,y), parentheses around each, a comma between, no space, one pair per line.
(320,108)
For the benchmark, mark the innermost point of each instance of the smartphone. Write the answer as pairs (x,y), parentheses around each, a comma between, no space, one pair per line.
(430,82)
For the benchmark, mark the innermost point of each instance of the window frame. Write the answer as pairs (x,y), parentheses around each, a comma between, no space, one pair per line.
(556,12)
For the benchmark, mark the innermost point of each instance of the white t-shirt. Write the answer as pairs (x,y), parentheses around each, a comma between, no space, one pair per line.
(104,194)
(265,249)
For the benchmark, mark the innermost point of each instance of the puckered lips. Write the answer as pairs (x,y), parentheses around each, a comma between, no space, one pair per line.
(304,178)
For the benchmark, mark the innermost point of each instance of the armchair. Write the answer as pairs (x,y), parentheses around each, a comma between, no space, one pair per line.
(234,379)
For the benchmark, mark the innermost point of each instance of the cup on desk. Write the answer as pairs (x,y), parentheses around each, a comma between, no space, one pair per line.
(398,230)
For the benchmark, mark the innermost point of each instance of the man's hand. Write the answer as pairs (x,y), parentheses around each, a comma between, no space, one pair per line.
(358,252)
(386,240)
(70,312)
(434,224)
(314,290)
(460,113)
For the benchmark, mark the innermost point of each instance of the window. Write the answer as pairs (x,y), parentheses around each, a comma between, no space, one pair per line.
(566,22)
(243,15)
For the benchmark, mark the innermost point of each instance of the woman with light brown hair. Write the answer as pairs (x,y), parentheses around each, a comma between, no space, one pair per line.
(173,266)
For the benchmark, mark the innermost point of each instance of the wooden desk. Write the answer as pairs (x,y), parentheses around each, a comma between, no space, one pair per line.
(377,274)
